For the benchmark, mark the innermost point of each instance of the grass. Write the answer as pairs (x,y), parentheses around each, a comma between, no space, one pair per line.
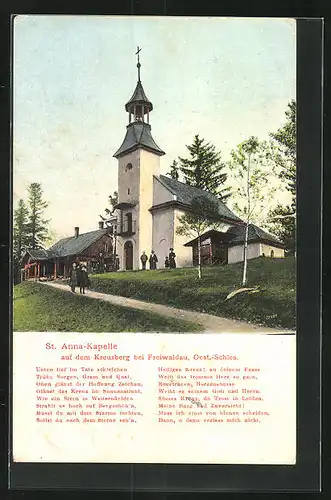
(274,306)
(38,307)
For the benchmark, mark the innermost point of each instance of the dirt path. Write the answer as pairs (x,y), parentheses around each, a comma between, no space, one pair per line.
(209,322)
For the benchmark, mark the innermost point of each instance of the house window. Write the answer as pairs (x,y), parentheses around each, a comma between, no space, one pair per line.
(272,254)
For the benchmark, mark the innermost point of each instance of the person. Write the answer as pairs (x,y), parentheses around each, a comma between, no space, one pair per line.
(83,279)
(172,257)
(73,278)
(166,263)
(152,261)
(117,262)
(144,260)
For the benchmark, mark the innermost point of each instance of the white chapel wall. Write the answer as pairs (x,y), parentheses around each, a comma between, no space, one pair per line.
(163,234)
(278,253)
(149,166)
(236,253)
(160,193)
(183,254)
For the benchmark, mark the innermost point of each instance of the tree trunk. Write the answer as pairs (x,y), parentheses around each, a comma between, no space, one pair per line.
(199,257)
(244,281)
(245,256)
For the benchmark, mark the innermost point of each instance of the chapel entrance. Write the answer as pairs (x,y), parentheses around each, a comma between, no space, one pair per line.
(128,255)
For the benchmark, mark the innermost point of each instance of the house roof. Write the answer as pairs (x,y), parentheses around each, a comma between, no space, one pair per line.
(38,254)
(255,233)
(75,245)
(212,233)
(185,194)
(139,96)
(138,134)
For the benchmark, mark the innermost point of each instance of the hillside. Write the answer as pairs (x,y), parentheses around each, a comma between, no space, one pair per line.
(273,306)
(37,307)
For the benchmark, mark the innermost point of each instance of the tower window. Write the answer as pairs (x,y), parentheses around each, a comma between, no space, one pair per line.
(129,166)
(129,191)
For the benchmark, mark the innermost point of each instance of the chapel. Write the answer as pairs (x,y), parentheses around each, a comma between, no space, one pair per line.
(150,205)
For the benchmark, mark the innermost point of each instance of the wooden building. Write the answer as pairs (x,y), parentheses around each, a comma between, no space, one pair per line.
(95,248)
(226,247)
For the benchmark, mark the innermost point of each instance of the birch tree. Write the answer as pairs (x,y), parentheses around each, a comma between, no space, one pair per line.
(203,215)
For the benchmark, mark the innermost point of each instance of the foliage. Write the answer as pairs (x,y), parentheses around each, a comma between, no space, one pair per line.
(203,215)
(284,150)
(174,170)
(252,188)
(109,211)
(204,168)
(282,218)
(38,307)
(274,306)
(282,224)
(37,226)
(20,235)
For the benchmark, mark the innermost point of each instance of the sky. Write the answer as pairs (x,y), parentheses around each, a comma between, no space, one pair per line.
(223,78)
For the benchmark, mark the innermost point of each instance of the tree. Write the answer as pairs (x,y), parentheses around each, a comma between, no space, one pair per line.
(283,218)
(174,170)
(282,224)
(20,235)
(205,169)
(284,150)
(203,215)
(37,225)
(109,211)
(249,163)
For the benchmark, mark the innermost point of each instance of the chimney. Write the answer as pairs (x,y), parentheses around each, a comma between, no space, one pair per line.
(100,224)
(76,232)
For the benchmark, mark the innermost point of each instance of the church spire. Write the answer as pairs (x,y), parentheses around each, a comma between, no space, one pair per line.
(138,130)
(138,63)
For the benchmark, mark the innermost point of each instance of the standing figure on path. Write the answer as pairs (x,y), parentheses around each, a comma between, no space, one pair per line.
(73,278)
(166,263)
(144,260)
(84,279)
(172,257)
(152,261)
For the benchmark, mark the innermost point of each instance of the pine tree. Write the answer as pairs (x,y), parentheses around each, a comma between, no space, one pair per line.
(20,232)
(205,169)
(37,225)
(282,224)
(174,170)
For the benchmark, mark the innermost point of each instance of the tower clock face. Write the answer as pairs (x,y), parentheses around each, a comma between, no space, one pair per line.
(128,167)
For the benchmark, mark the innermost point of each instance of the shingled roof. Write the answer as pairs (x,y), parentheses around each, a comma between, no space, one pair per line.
(255,233)
(139,96)
(185,194)
(75,245)
(38,254)
(138,134)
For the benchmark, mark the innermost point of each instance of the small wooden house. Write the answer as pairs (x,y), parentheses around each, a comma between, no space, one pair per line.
(95,248)
(227,247)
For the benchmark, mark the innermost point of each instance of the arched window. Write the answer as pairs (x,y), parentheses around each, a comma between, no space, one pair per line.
(128,167)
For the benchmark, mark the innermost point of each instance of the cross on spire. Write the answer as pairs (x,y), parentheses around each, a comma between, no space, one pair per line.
(138,64)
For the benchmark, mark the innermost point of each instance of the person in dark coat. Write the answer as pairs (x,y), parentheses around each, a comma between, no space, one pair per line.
(166,263)
(144,260)
(172,257)
(152,261)
(73,278)
(83,279)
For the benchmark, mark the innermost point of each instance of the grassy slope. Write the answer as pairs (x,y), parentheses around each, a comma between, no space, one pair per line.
(274,306)
(38,307)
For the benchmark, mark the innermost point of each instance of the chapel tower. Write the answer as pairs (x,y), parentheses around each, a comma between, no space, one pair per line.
(138,161)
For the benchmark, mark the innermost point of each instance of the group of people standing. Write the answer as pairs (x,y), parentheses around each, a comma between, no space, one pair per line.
(79,277)
(170,260)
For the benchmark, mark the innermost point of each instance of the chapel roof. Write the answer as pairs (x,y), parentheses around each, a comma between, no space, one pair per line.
(255,233)
(139,97)
(185,194)
(138,134)
(38,254)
